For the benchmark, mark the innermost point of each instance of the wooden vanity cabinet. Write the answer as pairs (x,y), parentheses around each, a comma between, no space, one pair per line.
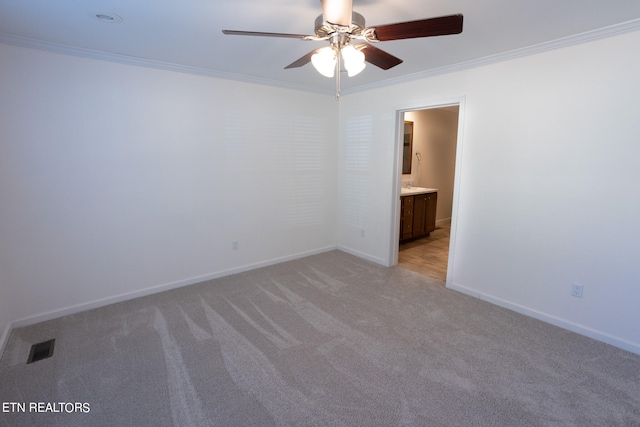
(417,215)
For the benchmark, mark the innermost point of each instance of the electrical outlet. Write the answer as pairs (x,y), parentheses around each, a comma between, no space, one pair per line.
(576,290)
(234,245)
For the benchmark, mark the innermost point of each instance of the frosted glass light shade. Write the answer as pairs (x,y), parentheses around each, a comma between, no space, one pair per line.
(324,61)
(353,60)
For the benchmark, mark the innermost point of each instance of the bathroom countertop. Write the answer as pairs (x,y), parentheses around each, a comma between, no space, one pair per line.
(416,190)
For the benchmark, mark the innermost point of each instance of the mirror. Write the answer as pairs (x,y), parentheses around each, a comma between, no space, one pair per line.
(407,147)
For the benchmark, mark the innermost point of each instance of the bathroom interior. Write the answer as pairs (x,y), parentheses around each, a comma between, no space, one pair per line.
(428,170)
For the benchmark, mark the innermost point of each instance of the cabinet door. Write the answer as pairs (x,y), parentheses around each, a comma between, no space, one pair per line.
(419,214)
(430,215)
(406,217)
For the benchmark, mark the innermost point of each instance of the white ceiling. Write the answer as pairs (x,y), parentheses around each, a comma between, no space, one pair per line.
(186,34)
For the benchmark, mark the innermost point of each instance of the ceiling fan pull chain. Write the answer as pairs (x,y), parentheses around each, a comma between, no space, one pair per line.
(338,55)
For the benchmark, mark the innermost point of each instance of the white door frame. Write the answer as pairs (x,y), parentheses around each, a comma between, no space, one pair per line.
(397,178)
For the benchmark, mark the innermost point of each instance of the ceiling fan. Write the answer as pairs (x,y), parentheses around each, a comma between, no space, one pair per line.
(349,39)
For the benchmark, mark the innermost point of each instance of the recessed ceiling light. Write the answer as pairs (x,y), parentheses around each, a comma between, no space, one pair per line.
(104,17)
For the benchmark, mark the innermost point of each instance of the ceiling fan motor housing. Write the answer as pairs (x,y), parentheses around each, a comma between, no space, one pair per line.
(325,29)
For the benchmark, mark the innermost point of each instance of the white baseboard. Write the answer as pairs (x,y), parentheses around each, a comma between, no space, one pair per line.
(4,338)
(363,255)
(556,321)
(54,314)
(562,323)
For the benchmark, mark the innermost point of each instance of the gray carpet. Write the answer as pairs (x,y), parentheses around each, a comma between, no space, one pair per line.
(326,340)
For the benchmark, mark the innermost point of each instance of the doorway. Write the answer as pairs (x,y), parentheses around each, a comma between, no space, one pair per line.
(434,153)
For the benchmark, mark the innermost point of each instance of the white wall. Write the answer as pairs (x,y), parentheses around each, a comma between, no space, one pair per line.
(435,135)
(548,185)
(118,180)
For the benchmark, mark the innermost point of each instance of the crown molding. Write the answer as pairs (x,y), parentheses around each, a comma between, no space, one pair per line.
(143,62)
(612,30)
(587,36)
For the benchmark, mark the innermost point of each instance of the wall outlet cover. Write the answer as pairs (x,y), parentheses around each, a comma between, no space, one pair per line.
(577,290)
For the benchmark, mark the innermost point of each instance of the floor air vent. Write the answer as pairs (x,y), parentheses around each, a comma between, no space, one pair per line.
(41,351)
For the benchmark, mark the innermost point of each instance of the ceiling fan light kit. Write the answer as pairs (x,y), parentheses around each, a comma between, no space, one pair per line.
(324,60)
(353,60)
(340,25)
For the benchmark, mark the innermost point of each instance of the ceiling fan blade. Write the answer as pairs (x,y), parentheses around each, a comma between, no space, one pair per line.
(441,26)
(378,57)
(337,12)
(262,34)
(302,61)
